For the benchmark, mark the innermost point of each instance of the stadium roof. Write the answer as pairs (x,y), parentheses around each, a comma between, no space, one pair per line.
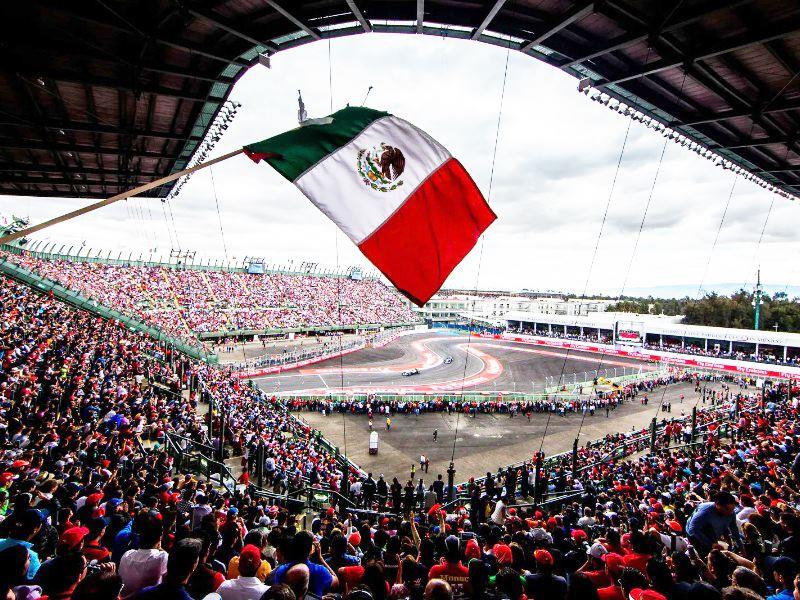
(100,95)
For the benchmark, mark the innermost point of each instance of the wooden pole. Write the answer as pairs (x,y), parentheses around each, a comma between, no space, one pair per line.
(135,191)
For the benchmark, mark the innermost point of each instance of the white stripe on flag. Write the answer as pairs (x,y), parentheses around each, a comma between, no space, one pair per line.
(337,188)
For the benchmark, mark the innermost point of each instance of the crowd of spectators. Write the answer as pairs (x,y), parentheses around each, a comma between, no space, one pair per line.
(764,355)
(604,338)
(92,507)
(187,302)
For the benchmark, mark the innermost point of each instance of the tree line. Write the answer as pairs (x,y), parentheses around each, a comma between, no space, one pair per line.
(714,310)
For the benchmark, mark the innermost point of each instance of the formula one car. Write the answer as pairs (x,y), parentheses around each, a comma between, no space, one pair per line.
(448,360)
(410,372)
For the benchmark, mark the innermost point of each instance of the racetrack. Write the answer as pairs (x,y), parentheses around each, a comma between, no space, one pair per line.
(478,364)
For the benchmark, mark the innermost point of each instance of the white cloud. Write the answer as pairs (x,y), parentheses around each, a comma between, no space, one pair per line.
(556,159)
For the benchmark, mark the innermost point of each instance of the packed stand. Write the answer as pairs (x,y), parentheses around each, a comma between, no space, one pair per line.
(186,303)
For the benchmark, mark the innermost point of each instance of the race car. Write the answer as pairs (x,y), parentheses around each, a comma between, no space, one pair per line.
(410,372)
(448,360)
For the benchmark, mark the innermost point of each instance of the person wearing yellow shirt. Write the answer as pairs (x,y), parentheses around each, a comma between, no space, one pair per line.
(258,539)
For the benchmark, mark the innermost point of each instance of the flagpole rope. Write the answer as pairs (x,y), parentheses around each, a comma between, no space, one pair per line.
(330,74)
(635,245)
(592,262)
(480,250)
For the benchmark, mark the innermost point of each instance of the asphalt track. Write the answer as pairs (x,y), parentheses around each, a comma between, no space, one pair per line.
(478,364)
(476,445)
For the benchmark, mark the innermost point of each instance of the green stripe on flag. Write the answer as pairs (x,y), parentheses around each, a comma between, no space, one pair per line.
(302,148)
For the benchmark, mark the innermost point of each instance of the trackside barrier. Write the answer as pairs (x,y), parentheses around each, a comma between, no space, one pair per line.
(725,365)
(266,366)
(48,286)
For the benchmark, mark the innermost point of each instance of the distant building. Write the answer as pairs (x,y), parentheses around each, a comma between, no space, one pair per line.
(446,307)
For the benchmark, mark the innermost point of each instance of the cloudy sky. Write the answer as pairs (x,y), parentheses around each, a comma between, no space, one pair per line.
(556,160)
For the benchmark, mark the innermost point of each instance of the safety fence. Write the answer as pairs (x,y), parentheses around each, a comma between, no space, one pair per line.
(321,351)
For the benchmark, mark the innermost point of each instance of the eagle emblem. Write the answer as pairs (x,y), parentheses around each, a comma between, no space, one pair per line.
(381,167)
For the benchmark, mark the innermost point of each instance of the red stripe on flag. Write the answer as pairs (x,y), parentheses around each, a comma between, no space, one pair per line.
(259,156)
(431,232)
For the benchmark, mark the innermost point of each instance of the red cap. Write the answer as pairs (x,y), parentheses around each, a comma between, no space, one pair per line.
(640,594)
(543,557)
(6,478)
(674,526)
(250,556)
(72,537)
(579,535)
(614,563)
(94,499)
(355,539)
(502,553)
(472,550)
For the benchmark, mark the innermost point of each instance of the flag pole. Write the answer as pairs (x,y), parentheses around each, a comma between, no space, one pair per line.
(135,191)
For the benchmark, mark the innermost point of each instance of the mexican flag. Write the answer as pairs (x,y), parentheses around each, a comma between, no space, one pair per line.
(410,207)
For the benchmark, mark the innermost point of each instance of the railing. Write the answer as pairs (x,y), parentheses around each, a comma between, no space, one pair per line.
(274,360)
(46,251)
(299,329)
(71,297)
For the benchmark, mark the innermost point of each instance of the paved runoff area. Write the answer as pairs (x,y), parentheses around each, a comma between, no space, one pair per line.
(485,442)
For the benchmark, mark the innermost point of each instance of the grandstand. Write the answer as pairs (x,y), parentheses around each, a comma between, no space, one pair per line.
(133,468)
(193,304)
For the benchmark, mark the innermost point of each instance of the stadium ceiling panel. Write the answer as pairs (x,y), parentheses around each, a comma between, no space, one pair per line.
(100,95)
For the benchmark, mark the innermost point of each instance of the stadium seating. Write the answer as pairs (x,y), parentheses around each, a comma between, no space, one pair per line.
(184,303)
(92,506)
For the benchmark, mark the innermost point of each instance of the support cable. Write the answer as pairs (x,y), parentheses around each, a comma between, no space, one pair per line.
(480,251)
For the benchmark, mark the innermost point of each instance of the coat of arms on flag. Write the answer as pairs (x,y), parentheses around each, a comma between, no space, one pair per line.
(380,167)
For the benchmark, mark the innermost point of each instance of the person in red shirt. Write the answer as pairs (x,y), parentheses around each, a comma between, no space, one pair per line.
(613,568)
(92,549)
(638,557)
(594,567)
(629,579)
(452,570)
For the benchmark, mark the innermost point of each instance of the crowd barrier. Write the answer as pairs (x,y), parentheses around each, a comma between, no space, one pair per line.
(671,358)
(261,371)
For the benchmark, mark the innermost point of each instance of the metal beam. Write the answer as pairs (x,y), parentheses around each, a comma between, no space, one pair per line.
(229,26)
(576,13)
(23,168)
(297,22)
(420,15)
(476,33)
(768,141)
(359,15)
(739,42)
(736,114)
(122,179)
(119,85)
(631,38)
(34,145)
(52,124)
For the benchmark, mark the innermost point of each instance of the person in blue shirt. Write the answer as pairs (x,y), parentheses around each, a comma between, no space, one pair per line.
(711,520)
(300,549)
(182,562)
(23,529)
(784,570)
